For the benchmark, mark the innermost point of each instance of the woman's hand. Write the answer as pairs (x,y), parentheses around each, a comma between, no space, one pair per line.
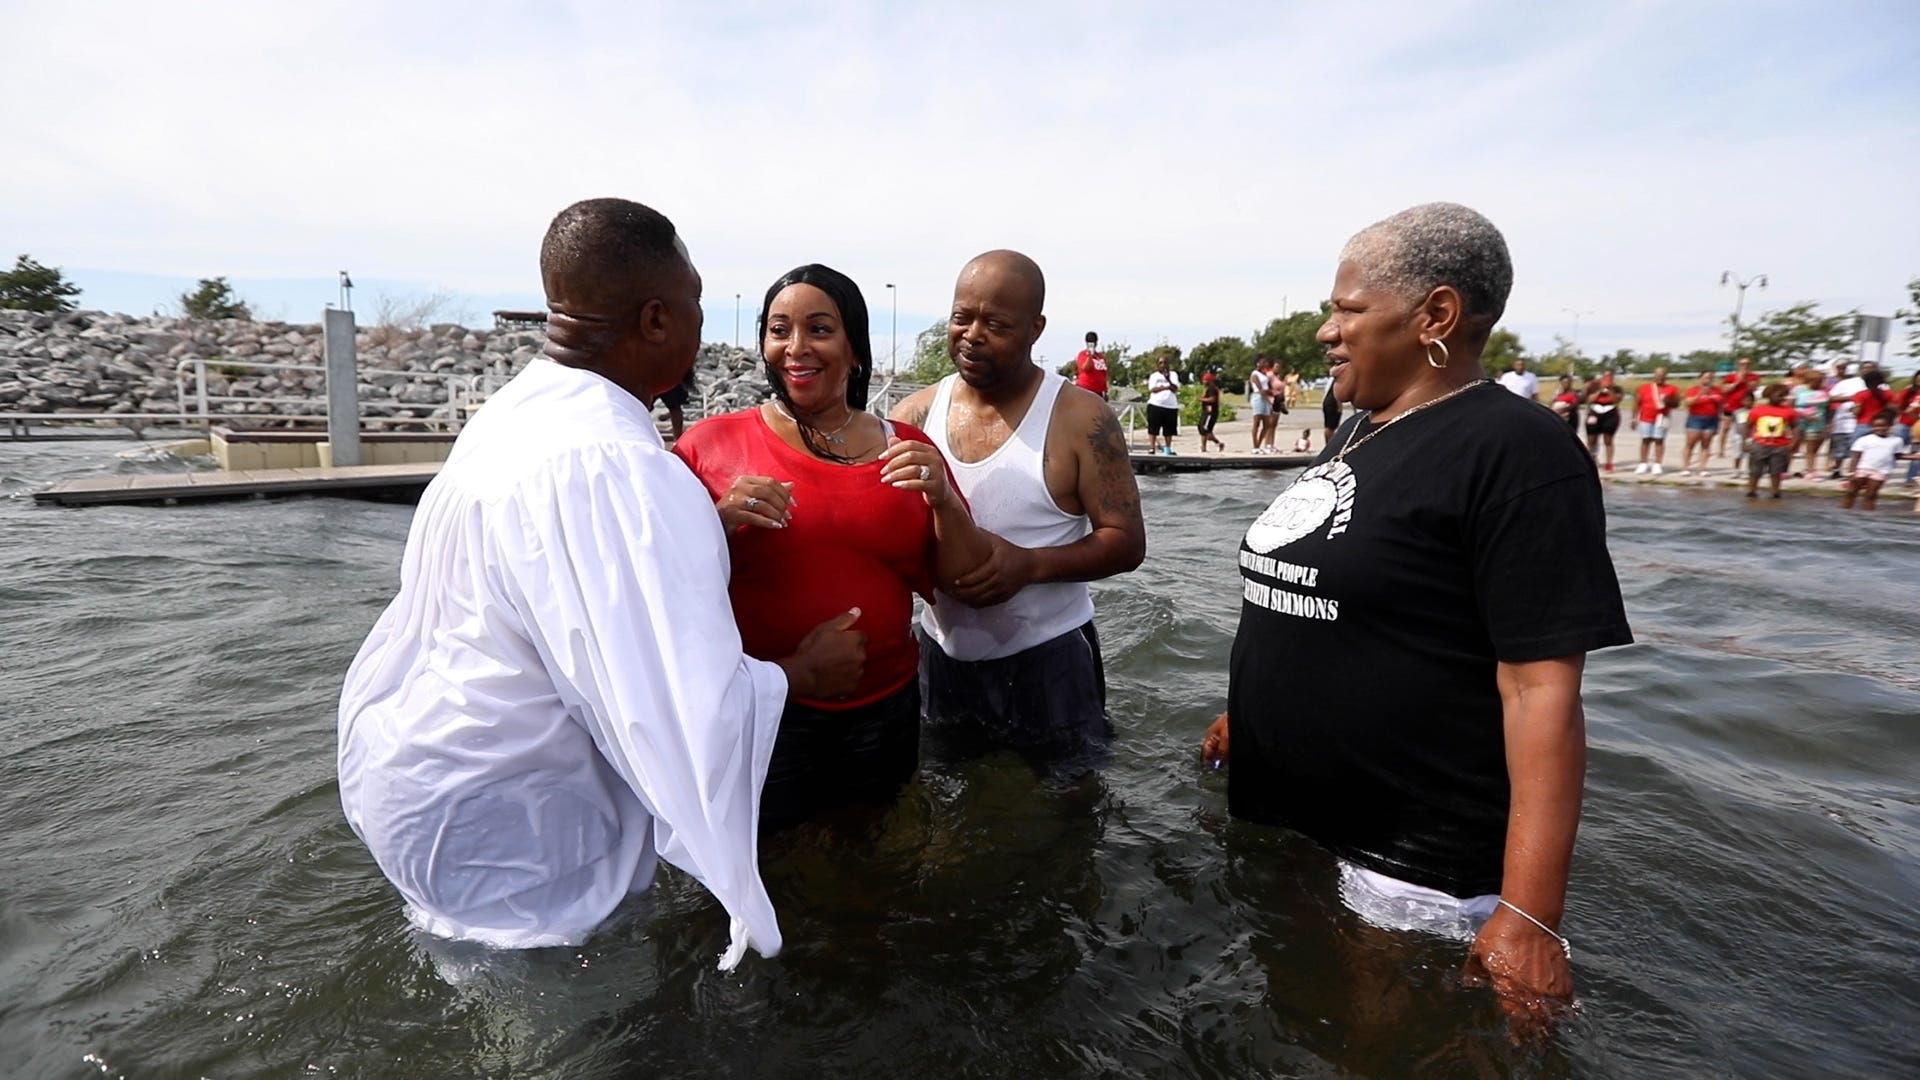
(916,466)
(1526,969)
(1213,749)
(758,501)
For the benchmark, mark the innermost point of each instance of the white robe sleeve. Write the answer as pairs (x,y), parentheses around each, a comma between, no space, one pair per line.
(619,567)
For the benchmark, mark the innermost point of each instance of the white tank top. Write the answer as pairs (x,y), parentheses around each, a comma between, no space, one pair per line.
(1008,494)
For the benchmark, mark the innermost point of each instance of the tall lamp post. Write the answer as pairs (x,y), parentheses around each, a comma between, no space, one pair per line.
(893,346)
(1576,313)
(1728,277)
(736,320)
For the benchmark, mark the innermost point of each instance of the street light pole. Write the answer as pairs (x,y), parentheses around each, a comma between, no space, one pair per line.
(1576,313)
(1728,277)
(736,320)
(893,346)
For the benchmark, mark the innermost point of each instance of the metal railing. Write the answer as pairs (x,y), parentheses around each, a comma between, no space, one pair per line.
(464,393)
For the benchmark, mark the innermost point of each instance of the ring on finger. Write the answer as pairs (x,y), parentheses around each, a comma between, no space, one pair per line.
(752,501)
(925,472)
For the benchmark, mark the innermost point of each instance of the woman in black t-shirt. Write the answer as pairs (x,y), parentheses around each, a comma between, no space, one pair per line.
(1443,570)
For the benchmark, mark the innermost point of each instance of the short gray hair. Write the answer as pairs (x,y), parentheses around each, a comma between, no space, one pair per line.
(1420,249)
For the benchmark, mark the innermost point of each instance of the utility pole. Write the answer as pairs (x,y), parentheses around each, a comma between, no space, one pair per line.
(1728,277)
(893,347)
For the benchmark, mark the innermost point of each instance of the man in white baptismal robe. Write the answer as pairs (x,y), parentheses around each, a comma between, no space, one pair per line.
(556,699)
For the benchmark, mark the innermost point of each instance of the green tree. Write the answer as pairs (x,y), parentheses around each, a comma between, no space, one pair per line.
(1911,316)
(1503,348)
(930,361)
(1795,335)
(1230,356)
(1292,343)
(1696,361)
(32,287)
(214,299)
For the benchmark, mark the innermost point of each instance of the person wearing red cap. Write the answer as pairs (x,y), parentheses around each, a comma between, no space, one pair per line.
(1209,411)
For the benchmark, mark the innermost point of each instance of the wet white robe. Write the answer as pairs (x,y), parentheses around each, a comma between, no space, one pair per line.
(556,698)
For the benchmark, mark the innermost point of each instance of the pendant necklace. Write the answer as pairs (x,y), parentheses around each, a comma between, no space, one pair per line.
(833,436)
(1352,445)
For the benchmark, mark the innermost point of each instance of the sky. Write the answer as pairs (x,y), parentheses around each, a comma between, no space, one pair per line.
(1180,171)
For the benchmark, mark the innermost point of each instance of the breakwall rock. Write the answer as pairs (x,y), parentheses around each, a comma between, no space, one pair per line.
(99,362)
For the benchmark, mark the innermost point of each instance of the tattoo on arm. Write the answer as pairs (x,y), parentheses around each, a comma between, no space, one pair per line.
(1118,495)
(911,412)
(1108,441)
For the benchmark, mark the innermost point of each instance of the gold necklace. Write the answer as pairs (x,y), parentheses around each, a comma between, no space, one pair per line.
(833,436)
(1352,446)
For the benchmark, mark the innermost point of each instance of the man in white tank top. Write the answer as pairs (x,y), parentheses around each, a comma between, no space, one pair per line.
(1011,656)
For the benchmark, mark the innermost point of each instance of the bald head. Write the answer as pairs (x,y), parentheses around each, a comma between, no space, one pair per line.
(1016,278)
(623,298)
(608,257)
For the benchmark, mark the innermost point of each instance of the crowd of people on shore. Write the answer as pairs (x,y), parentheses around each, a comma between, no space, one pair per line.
(1857,420)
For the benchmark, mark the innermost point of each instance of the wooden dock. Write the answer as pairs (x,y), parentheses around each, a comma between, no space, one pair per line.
(1153,464)
(408,480)
(367,481)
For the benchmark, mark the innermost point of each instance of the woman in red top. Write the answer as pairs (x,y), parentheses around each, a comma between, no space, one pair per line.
(830,509)
(1603,415)
(1705,403)
(1566,403)
(1868,403)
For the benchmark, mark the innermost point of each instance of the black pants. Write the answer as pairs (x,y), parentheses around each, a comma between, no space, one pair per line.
(1048,703)
(829,759)
(1163,420)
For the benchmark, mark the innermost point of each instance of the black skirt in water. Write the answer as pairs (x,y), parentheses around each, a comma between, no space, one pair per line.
(826,760)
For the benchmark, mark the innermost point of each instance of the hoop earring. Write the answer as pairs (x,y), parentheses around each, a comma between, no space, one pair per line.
(1445,356)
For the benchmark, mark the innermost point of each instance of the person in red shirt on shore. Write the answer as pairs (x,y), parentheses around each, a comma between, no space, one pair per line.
(1909,419)
(1603,415)
(1739,387)
(1566,404)
(1776,428)
(1656,399)
(829,508)
(1704,406)
(1090,367)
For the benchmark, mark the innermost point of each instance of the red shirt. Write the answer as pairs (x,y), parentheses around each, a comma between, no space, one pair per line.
(1739,388)
(1091,368)
(853,542)
(1656,401)
(1867,406)
(1706,401)
(1773,424)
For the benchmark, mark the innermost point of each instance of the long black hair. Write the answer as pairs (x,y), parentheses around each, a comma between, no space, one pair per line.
(853,322)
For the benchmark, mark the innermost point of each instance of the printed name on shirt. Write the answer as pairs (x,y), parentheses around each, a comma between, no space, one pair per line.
(1290,603)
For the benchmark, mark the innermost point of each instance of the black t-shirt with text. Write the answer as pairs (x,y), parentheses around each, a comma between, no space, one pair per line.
(1378,595)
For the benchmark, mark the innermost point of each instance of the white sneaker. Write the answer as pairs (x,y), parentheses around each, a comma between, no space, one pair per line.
(1657,470)
(1642,468)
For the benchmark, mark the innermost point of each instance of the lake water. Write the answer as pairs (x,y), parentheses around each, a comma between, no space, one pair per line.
(179,895)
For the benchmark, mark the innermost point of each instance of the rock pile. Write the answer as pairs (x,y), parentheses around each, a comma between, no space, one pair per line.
(95,362)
